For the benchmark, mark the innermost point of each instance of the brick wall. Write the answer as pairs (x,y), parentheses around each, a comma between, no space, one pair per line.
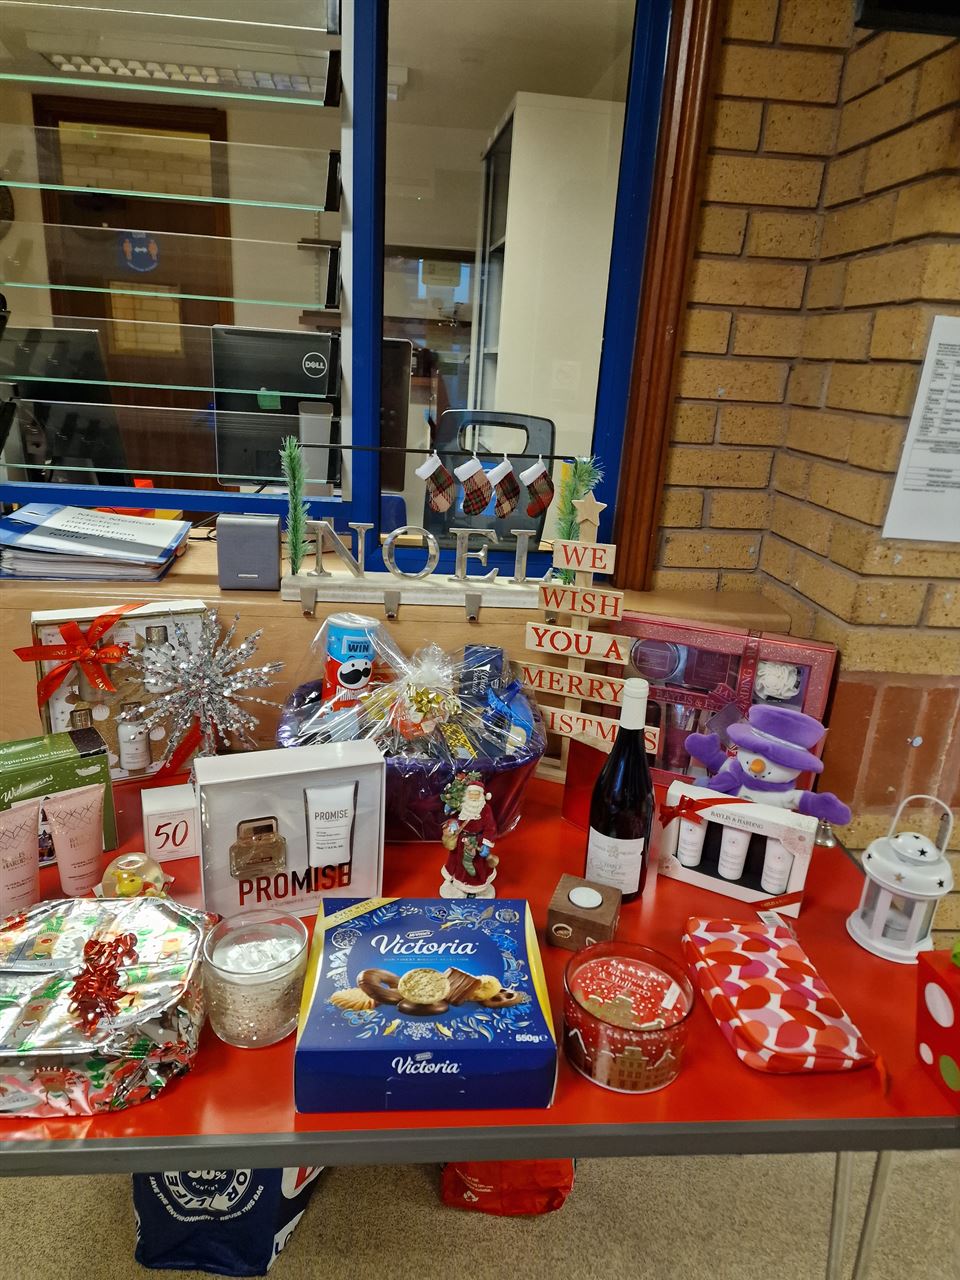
(829,236)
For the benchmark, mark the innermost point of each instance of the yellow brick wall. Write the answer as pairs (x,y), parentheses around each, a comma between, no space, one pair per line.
(828,238)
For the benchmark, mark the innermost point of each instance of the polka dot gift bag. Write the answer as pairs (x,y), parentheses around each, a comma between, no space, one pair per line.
(768,999)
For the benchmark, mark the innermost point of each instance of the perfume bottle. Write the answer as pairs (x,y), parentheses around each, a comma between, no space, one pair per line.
(259,849)
(82,718)
(156,638)
(133,741)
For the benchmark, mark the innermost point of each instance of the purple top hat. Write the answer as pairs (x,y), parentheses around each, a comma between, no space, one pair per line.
(781,735)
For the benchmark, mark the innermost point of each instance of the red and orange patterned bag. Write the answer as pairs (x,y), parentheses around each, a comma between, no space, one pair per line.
(768,999)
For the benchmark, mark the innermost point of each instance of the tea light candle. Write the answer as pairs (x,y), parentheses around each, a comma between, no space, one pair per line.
(625,1012)
(253,970)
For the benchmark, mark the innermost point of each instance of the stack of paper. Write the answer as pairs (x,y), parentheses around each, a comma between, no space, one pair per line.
(46,541)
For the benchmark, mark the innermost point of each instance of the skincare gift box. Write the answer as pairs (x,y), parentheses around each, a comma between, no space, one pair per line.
(423,1005)
(755,852)
(60,783)
(79,700)
(288,828)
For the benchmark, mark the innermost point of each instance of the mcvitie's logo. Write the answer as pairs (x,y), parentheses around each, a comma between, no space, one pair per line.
(314,364)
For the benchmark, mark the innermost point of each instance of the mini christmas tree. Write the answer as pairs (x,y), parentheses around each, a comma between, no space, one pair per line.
(579,478)
(291,462)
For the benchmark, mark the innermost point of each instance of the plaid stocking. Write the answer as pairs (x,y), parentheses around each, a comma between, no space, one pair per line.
(505,487)
(537,479)
(440,484)
(477,490)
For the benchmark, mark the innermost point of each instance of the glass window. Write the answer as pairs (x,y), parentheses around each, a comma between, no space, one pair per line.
(503,141)
(169,242)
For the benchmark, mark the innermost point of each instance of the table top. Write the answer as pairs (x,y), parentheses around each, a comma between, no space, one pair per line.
(235,1107)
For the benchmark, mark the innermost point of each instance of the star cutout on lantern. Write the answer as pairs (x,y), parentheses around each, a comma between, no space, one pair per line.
(868,856)
(921,853)
(899,877)
(588,509)
(940,884)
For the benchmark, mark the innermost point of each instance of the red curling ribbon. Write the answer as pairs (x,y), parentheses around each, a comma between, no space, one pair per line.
(96,992)
(79,649)
(689,808)
(182,753)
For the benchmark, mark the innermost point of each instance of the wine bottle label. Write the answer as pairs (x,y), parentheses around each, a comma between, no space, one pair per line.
(614,862)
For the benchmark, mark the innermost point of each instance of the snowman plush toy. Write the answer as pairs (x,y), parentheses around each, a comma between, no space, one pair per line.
(773,748)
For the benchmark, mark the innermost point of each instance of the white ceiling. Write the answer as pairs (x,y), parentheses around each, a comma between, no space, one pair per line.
(467,58)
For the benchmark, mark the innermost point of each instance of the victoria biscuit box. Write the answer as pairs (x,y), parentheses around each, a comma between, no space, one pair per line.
(424,1004)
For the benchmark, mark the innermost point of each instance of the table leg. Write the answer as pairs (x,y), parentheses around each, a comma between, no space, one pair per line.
(871,1217)
(842,1180)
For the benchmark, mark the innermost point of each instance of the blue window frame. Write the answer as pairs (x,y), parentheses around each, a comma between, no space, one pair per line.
(364,70)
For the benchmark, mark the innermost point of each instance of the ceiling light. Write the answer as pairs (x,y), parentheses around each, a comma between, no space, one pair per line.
(228,77)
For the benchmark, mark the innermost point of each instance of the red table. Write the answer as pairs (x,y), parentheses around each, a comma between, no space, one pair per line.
(236,1106)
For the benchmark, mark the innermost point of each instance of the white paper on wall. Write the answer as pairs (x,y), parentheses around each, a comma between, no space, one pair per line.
(925,502)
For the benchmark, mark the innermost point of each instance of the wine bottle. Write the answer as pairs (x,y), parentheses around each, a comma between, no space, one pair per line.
(621,810)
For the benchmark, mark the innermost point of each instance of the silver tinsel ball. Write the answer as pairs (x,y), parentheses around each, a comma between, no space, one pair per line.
(202,682)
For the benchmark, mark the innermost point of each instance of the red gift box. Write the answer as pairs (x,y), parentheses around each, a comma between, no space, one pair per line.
(938,1020)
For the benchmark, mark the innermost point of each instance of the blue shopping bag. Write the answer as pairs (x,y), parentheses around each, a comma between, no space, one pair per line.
(230,1222)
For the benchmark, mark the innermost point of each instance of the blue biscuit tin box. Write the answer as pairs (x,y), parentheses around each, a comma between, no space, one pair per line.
(424,1004)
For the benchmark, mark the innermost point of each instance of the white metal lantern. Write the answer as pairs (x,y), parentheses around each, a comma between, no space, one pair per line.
(906,876)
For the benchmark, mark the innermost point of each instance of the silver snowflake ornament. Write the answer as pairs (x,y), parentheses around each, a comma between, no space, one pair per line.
(201,684)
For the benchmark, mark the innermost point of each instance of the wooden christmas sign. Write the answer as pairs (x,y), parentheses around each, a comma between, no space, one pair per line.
(583,604)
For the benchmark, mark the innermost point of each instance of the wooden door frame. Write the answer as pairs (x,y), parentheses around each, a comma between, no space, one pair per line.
(691,58)
(50,110)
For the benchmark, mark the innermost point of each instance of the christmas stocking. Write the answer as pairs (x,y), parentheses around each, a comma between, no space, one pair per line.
(441,486)
(477,490)
(505,487)
(537,479)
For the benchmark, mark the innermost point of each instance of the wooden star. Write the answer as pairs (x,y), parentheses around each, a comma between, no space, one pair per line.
(588,513)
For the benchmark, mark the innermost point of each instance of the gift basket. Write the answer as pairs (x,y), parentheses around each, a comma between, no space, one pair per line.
(101,1003)
(432,716)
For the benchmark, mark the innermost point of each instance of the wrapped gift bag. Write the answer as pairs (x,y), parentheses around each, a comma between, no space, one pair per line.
(768,999)
(507,1188)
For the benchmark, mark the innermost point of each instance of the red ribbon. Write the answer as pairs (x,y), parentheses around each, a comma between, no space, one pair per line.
(97,992)
(80,649)
(689,808)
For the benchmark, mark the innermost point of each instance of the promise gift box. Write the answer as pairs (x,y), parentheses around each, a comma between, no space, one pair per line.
(286,828)
(422,1005)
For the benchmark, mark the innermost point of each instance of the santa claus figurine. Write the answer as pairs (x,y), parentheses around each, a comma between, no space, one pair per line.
(773,749)
(469,833)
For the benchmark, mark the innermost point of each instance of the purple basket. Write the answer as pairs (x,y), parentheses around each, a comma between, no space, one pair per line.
(415,783)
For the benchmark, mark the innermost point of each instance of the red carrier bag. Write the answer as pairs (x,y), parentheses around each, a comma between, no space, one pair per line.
(768,999)
(508,1188)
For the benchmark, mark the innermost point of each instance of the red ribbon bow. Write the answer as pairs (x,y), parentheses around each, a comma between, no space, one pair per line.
(80,649)
(689,808)
(97,993)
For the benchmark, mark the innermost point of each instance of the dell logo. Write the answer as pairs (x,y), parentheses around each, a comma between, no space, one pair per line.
(314,364)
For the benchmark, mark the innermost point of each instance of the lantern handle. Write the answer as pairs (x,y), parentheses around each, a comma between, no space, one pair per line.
(946,828)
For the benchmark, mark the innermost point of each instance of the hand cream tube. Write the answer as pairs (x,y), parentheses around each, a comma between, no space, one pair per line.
(76,822)
(19,857)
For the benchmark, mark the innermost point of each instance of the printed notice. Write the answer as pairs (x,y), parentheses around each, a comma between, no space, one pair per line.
(925,502)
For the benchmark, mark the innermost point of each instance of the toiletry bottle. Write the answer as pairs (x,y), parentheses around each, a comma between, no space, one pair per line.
(733,853)
(76,823)
(133,741)
(82,718)
(19,857)
(259,849)
(156,638)
(777,863)
(690,842)
(89,692)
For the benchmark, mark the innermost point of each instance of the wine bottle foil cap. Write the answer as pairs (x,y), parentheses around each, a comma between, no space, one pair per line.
(636,687)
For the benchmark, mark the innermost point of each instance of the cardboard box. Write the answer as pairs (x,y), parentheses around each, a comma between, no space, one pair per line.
(488,1042)
(792,836)
(141,754)
(171,824)
(288,828)
(52,764)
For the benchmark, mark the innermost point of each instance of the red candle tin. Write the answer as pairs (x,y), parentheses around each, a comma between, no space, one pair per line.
(625,1015)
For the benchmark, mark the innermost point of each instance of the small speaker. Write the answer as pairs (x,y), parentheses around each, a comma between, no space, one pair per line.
(248,553)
